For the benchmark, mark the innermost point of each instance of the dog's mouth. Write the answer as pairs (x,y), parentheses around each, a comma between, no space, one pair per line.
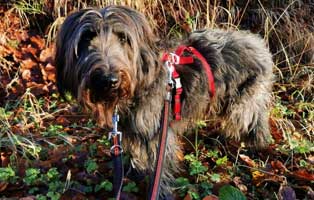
(109,87)
(102,92)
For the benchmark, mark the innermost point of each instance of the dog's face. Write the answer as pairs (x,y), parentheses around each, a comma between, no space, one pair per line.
(104,56)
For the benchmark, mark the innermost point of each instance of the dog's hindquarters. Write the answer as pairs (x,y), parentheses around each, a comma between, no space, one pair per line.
(242,68)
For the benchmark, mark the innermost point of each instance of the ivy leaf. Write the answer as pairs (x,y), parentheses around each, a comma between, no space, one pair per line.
(130,187)
(106,185)
(228,192)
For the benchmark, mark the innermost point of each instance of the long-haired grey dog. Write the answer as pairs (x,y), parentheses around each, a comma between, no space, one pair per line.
(108,57)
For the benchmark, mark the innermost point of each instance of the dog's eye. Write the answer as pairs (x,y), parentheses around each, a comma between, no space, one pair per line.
(122,38)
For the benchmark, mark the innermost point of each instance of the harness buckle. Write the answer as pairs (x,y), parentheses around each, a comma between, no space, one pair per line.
(174,58)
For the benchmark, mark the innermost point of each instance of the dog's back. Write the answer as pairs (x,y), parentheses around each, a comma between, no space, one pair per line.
(242,67)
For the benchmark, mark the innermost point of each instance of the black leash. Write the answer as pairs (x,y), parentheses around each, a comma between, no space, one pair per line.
(116,151)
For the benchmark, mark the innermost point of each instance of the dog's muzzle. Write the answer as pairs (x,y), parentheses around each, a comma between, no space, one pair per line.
(111,81)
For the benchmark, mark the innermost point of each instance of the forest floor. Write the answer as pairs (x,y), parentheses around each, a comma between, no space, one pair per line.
(51,150)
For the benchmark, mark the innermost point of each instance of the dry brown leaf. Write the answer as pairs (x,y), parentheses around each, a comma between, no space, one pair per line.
(247,160)
(211,197)
(28,198)
(38,41)
(303,174)
(187,197)
(28,64)
(49,73)
(26,74)
(238,183)
(29,49)
(311,159)
(3,186)
(46,55)
(278,166)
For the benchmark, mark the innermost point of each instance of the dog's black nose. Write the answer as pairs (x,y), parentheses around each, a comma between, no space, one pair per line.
(113,80)
(101,81)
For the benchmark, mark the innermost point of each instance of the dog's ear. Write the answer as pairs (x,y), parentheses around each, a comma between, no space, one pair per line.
(148,61)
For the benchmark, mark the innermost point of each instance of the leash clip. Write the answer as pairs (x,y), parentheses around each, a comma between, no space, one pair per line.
(115,133)
(170,69)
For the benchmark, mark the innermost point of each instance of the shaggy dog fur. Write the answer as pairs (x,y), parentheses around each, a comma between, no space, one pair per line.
(109,57)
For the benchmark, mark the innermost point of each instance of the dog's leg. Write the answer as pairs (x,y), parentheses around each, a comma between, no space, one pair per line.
(259,136)
(247,118)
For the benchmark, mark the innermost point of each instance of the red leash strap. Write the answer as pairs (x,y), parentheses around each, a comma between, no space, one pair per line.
(154,194)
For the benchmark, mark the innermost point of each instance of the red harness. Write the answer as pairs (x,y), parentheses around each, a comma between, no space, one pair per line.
(177,58)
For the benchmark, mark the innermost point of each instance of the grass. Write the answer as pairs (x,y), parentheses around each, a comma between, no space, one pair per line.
(36,128)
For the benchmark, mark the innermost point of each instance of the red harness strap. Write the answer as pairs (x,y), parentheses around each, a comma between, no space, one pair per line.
(177,58)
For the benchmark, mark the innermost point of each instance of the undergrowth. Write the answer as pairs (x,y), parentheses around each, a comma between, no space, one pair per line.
(52,150)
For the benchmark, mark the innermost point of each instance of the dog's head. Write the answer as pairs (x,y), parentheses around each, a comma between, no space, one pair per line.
(103,56)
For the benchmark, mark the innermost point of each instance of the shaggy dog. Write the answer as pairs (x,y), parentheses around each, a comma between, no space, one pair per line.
(108,58)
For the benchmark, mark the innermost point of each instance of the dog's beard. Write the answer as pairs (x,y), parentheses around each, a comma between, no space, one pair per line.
(101,101)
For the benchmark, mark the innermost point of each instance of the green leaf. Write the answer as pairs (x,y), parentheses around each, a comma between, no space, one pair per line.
(6,174)
(91,166)
(130,187)
(228,192)
(196,167)
(33,190)
(206,188)
(212,154)
(194,195)
(215,178)
(55,186)
(182,184)
(53,174)
(31,176)
(54,195)
(41,197)
(303,163)
(190,157)
(222,161)
(106,185)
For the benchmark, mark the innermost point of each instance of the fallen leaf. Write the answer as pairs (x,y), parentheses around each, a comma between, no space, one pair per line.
(276,133)
(278,166)
(49,73)
(26,74)
(247,160)
(30,50)
(37,41)
(238,183)
(187,197)
(28,64)
(303,174)
(211,197)
(311,159)
(46,55)
(28,198)
(37,88)
(3,186)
